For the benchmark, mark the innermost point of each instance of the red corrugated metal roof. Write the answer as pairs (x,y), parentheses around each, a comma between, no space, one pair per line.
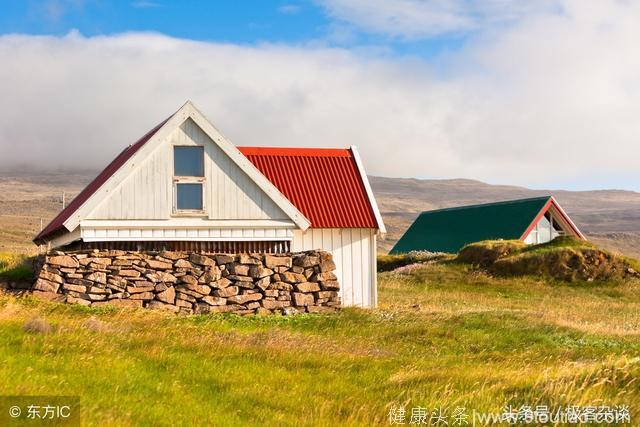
(324,184)
(58,222)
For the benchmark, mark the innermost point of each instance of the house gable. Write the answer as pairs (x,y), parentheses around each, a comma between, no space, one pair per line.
(147,193)
(550,221)
(135,155)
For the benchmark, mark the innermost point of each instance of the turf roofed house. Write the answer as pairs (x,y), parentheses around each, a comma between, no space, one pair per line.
(184,187)
(534,220)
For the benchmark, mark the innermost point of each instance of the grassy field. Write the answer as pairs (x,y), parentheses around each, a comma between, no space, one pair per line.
(15,267)
(443,337)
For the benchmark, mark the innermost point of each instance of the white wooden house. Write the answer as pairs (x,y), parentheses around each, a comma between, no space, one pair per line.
(184,186)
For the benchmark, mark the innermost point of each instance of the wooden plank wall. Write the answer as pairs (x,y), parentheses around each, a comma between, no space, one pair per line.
(354,254)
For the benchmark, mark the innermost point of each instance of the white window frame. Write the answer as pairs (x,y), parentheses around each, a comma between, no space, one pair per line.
(188,180)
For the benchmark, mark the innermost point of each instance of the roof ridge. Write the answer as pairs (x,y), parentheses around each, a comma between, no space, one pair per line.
(482,205)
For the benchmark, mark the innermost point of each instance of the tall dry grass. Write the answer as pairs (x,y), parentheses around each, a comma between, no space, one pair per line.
(444,336)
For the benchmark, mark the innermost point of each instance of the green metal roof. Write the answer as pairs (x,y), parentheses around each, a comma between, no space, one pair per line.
(448,230)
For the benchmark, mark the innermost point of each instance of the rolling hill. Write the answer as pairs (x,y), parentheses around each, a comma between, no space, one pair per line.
(609,217)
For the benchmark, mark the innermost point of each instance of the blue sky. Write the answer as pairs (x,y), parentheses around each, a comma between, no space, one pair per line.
(246,22)
(227,21)
(542,94)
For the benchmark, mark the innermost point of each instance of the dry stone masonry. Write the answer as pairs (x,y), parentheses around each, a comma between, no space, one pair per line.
(192,282)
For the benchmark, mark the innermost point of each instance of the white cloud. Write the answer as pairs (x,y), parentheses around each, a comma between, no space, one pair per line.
(55,10)
(289,9)
(550,101)
(412,19)
(146,4)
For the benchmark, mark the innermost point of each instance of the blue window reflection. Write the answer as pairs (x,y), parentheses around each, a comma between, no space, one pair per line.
(188,161)
(189,197)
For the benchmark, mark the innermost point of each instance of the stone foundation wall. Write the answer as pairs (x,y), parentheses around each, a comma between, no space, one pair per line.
(192,282)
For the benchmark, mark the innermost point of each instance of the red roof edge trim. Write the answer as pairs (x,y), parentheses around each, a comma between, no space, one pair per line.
(58,222)
(373,204)
(544,210)
(566,218)
(287,151)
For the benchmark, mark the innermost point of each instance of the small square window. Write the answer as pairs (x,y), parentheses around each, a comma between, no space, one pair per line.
(188,161)
(189,197)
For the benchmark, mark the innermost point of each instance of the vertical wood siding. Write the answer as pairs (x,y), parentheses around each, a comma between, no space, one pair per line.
(147,193)
(354,254)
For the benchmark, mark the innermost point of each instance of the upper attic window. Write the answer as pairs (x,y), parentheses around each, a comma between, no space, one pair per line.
(188,180)
(188,161)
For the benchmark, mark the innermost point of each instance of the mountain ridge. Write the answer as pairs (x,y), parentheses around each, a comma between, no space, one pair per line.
(610,218)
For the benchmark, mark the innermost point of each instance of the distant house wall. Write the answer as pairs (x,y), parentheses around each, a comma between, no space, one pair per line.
(354,252)
(147,193)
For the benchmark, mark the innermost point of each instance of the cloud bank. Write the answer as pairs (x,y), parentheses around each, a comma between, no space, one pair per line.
(551,101)
(415,19)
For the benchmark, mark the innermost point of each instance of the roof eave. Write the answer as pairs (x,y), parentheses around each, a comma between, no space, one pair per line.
(66,215)
(382,230)
(568,219)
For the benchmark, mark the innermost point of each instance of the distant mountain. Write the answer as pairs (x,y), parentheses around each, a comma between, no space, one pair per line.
(609,217)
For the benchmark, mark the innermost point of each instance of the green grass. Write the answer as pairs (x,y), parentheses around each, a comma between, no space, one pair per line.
(15,267)
(562,242)
(634,263)
(500,248)
(444,336)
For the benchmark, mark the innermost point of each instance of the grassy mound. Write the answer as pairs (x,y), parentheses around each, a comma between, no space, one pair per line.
(564,258)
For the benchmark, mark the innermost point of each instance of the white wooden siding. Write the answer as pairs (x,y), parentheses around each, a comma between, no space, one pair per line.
(147,193)
(354,254)
(124,233)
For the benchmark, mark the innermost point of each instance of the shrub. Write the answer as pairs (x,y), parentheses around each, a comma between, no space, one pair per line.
(37,325)
(568,264)
(563,258)
(96,325)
